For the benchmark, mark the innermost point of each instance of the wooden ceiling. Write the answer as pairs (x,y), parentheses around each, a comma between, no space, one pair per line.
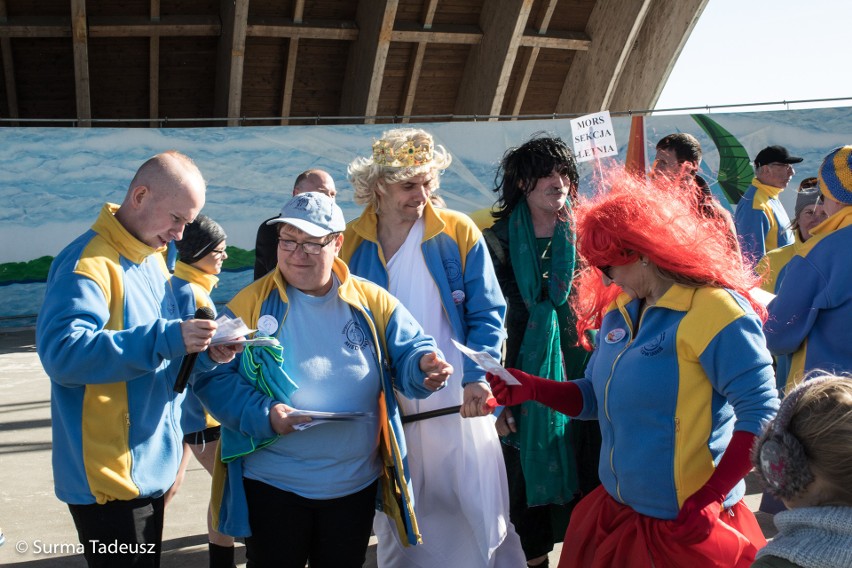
(252,62)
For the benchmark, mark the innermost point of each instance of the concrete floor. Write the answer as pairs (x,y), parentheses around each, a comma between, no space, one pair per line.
(38,528)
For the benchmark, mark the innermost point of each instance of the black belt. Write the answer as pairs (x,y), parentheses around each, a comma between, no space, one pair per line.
(430,414)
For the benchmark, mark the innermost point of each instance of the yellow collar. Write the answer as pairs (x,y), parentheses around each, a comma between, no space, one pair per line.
(769,190)
(366,226)
(842,218)
(677,297)
(192,274)
(126,244)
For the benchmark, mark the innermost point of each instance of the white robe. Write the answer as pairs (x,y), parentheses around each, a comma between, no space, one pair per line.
(456,464)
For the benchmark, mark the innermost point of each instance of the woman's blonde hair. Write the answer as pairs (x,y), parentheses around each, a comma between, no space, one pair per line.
(400,154)
(822,422)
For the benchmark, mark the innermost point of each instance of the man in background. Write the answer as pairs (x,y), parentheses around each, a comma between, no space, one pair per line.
(266,244)
(679,158)
(761,221)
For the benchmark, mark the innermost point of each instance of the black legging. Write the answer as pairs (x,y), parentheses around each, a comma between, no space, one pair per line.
(288,530)
(121,534)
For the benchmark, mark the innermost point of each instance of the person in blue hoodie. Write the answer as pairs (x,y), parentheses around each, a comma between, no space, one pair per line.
(303,490)
(808,325)
(436,262)
(111,339)
(201,253)
(762,223)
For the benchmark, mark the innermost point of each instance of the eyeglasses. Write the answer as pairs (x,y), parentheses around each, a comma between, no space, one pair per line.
(781,165)
(605,271)
(307,246)
(219,253)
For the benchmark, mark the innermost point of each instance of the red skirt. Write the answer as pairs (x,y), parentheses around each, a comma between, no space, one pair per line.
(604,533)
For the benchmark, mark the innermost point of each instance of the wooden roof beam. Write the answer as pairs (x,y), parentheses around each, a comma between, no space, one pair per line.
(8,69)
(154,69)
(486,74)
(315,29)
(574,41)
(230,59)
(667,27)
(290,71)
(613,26)
(80,41)
(165,26)
(460,34)
(529,57)
(35,27)
(417,62)
(365,67)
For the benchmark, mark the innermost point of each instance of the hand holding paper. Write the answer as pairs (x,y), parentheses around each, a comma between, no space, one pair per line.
(487,362)
(283,420)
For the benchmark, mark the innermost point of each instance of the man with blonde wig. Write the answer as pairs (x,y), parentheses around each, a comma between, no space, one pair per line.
(435,261)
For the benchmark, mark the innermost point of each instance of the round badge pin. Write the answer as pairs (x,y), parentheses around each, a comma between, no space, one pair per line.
(267,325)
(458,296)
(615,335)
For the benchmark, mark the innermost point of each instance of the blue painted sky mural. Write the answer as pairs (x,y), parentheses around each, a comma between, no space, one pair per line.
(53,181)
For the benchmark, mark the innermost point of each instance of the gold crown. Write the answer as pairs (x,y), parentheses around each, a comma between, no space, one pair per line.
(408,155)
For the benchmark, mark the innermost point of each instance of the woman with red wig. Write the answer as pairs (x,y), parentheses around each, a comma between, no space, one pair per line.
(680,381)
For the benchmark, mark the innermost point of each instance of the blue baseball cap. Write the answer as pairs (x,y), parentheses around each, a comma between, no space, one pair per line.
(314,213)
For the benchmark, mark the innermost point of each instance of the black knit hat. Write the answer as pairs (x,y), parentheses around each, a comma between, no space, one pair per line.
(199,238)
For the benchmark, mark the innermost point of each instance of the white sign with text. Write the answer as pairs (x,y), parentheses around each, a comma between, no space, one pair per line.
(593,136)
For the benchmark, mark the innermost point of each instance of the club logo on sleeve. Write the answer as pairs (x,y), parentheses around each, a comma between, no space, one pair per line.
(616,335)
(356,339)
(655,346)
(453,269)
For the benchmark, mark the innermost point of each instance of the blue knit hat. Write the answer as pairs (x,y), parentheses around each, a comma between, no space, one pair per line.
(835,175)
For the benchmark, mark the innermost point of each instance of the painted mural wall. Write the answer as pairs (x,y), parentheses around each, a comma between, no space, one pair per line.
(53,181)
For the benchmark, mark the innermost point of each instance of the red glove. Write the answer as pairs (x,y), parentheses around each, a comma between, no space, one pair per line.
(700,511)
(563,397)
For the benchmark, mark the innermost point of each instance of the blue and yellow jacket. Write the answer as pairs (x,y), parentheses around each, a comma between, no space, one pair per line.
(192,289)
(460,265)
(109,337)
(774,262)
(761,221)
(771,267)
(245,410)
(670,397)
(809,319)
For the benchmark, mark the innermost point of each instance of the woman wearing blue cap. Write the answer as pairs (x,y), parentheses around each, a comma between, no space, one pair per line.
(304,489)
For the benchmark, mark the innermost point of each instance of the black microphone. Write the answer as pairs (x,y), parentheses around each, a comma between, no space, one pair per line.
(202,313)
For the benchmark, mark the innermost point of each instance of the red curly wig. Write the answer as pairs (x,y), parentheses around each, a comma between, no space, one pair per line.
(657,220)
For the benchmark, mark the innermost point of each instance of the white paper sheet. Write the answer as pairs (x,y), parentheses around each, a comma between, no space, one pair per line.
(487,362)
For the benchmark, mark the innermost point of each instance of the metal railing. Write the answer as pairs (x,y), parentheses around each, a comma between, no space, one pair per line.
(165,122)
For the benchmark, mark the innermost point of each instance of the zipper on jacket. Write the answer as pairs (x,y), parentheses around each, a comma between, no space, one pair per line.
(677,468)
(127,460)
(630,340)
(607,414)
